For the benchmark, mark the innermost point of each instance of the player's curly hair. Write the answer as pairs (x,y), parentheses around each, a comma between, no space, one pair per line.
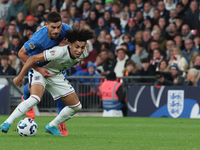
(79,34)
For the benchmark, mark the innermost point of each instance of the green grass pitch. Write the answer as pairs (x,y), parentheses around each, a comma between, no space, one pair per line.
(98,133)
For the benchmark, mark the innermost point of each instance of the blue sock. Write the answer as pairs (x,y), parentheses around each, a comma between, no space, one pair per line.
(26,92)
(60,105)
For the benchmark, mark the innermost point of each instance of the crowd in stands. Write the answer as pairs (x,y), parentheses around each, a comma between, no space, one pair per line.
(133,37)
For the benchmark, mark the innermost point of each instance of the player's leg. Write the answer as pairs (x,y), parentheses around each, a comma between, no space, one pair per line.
(30,113)
(23,107)
(62,126)
(73,106)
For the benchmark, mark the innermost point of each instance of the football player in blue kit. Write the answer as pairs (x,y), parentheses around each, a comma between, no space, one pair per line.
(47,37)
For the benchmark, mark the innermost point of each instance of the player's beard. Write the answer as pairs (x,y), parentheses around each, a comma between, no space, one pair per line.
(53,36)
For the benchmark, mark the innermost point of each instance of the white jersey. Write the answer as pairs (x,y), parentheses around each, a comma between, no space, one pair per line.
(60,59)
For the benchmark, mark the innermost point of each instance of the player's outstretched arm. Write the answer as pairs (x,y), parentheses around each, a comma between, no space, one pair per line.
(29,64)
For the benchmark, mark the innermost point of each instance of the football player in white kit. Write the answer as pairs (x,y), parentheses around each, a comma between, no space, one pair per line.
(57,59)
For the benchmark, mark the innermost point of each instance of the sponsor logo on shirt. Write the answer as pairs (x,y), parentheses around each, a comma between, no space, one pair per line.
(32,46)
(52,53)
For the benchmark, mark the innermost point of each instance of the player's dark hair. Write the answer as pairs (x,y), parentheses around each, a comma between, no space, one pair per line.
(53,17)
(79,34)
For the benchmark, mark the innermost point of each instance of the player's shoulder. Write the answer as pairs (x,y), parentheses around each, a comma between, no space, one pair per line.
(41,34)
(66,27)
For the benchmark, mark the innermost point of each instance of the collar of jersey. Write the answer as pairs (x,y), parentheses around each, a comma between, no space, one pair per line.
(70,53)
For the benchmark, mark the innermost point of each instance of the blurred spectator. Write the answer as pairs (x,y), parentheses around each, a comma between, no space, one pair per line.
(101,25)
(197,62)
(77,22)
(34,4)
(92,19)
(171,31)
(148,10)
(163,12)
(4,5)
(163,66)
(11,32)
(169,45)
(105,45)
(186,4)
(156,58)
(92,53)
(193,77)
(180,9)
(153,45)
(101,37)
(196,41)
(42,23)
(14,61)
(3,27)
(138,36)
(98,7)
(107,62)
(128,39)
(126,48)
(140,53)
(16,44)
(5,68)
(172,14)
(91,68)
(20,22)
(107,17)
(113,23)
(83,22)
(172,77)
(192,17)
(162,25)
(119,63)
(147,23)
(140,5)
(156,35)
(146,38)
(179,41)
(116,10)
(140,20)
(133,10)
(185,31)
(130,68)
(67,4)
(179,23)
(178,58)
(29,34)
(39,15)
(189,48)
(131,27)
(124,19)
(30,24)
(14,9)
(108,39)
(147,70)
(98,63)
(169,4)
(156,16)
(86,9)
(3,50)
(193,55)
(108,4)
(73,12)
(63,13)
(118,35)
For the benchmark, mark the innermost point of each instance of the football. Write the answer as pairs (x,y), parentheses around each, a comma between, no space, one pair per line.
(27,127)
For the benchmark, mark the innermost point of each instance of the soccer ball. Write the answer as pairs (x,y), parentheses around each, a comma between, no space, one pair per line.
(27,127)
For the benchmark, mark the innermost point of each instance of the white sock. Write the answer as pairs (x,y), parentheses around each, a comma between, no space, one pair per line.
(65,114)
(23,107)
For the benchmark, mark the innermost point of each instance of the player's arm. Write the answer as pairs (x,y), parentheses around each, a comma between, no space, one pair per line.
(29,64)
(23,55)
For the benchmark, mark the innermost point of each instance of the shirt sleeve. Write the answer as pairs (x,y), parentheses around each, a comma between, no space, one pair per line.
(53,53)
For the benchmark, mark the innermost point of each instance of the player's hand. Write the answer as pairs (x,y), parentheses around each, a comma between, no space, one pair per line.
(63,43)
(18,81)
(44,72)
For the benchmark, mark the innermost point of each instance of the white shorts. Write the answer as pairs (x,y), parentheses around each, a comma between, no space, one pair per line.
(56,85)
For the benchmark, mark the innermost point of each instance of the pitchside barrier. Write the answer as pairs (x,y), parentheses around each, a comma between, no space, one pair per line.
(88,93)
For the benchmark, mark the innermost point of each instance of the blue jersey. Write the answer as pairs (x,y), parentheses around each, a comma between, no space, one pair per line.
(40,40)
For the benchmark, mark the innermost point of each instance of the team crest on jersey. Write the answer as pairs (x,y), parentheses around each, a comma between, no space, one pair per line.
(52,53)
(175,102)
(32,46)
